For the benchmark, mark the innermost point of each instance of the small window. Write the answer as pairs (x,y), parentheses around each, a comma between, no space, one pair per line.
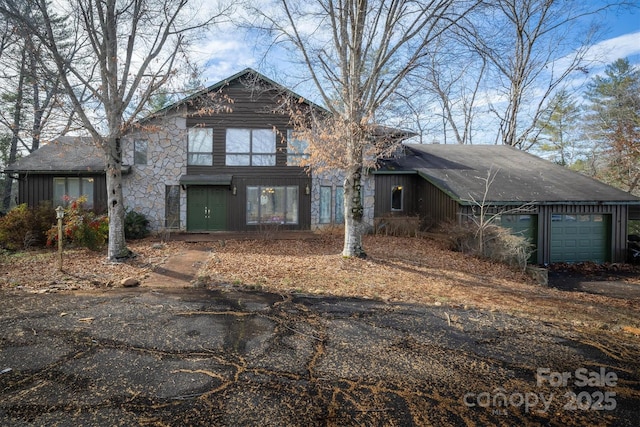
(339,205)
(297,149)
(172,206)
(396,198)
(325,205)
(200,147)
(139,152)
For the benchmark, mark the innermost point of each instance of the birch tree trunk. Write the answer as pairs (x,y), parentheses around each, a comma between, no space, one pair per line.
(117,248)
(354,213)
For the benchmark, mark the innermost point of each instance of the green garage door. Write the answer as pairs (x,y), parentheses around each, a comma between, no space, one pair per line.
(579,238)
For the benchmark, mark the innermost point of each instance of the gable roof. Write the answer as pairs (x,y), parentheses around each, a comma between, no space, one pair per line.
(244,74)
(66,154)
(461,171)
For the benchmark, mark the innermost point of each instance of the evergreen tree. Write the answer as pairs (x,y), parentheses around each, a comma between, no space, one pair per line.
(613,120)
(558,129)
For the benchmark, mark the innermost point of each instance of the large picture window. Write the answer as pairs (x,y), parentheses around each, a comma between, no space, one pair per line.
(251,147)
(200,147)
(272,205)
(66,189)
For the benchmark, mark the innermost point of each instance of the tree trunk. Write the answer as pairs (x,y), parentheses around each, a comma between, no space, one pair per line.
(354,226)
(15,131)
(117,249)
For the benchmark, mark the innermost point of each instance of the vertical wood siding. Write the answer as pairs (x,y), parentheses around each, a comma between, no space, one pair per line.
(618,217)
(252,110)
(384,183)
(237,205)
(34,189)
(435,205)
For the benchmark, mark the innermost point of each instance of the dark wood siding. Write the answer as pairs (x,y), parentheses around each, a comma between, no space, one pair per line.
(618,227)
(34,189)
(252,109)
(435,205)
(237,205)
(618,215)
(384,183)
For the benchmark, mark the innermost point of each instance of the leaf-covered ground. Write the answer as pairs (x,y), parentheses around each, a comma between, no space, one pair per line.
(396,270)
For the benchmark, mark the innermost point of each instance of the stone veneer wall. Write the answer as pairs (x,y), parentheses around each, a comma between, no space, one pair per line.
(144,188)
(335,179)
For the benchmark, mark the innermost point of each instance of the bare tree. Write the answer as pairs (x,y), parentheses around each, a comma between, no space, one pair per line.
(30,96)
(449,83)
(358,54)
(123,52)
(528,45)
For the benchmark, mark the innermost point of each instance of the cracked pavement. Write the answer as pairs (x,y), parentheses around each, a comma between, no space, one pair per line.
(233,357)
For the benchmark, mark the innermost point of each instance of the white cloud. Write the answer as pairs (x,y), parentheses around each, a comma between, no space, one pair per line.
(607,51)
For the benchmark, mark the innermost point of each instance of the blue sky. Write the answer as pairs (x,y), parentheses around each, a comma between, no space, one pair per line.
(230,50)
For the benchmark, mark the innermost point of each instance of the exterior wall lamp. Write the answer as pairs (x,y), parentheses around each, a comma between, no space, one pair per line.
(234,190)
(307,190)
(60,216)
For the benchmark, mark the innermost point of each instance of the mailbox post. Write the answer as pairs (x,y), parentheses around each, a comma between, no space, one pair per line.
(59,216)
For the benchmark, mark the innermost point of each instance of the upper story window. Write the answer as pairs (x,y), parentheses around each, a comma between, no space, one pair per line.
(251,147)
(297,149)
(139,152)
(200,147)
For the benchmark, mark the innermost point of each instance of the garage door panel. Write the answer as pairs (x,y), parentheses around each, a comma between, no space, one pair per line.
(578,238)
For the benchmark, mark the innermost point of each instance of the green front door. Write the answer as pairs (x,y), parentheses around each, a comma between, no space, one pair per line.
(206,208)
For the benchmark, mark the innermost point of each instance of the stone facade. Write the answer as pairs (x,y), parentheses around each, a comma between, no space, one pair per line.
(335,179)
(144,188)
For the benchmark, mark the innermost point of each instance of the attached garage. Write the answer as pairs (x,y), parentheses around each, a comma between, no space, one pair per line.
(567,216)
(579,238)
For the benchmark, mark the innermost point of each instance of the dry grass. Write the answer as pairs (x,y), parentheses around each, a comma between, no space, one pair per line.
(397,269)
(406,270)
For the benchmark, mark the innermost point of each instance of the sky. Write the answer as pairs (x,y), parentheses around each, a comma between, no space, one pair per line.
(229,50)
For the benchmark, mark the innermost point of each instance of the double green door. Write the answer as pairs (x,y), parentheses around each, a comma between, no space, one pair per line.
(206,208)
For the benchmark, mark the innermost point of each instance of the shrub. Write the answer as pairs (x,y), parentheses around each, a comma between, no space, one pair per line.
(23,227)
(81,227)
(498,243)
(401,226)
(136,225)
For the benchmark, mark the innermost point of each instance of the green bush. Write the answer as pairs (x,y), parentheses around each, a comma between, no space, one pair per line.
(136,225)
(81,227)
(24,227)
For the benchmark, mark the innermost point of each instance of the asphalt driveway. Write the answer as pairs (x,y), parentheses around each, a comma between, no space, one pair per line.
(179,357)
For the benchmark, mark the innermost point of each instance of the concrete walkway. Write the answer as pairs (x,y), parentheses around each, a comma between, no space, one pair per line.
(180,270)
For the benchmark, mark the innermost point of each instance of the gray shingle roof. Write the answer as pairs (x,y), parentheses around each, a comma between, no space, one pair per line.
(461,171)
(66,154)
